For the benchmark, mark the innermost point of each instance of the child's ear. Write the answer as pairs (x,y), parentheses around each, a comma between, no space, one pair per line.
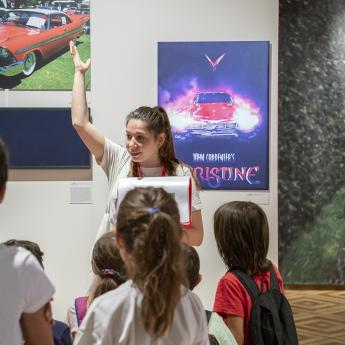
(119,241)
(120,244)
(161,139)
(199,279)
(2,192)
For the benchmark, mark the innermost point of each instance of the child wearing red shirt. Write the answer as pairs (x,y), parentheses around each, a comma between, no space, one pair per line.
(242,236)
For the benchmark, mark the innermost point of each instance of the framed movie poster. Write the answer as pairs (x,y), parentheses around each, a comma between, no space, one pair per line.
(217,98)
(34,43)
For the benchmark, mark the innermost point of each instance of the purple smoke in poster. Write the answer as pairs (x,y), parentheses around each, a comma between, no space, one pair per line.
(216,95)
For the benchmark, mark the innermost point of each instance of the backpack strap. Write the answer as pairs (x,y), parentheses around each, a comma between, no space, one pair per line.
(248,283)
(208,315)
(274,284)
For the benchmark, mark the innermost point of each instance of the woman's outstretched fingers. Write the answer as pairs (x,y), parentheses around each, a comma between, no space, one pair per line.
(78,63)
(72,47)
(74,52)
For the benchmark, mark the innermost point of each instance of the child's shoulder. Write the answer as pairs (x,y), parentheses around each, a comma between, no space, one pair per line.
(280,279)
(118,298)
(276,269)
(229,277)
(229,280)
(188,297)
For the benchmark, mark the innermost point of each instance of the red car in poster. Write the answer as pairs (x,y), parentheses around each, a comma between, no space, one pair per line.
(212,114)
(216,114)
(212,106)
(29,36)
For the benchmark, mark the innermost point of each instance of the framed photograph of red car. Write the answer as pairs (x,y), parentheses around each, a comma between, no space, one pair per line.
(34,42)
(217,98)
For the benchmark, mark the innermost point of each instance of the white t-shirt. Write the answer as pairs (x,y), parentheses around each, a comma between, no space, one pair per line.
(115,319)
(24,288)
(116,163)
(72,320)
(220,330)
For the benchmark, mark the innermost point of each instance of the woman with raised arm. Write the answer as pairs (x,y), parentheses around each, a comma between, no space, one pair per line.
(149,151)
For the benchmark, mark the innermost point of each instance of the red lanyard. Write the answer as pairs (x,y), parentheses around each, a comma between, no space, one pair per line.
(164,171)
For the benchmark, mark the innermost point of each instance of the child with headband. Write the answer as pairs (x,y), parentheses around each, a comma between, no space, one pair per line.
(109,271)
(154,307)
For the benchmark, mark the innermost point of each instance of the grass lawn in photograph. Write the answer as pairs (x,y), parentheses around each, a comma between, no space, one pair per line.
(58,73)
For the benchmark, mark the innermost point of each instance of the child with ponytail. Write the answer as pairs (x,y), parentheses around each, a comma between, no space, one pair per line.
(153,307)
(109,271)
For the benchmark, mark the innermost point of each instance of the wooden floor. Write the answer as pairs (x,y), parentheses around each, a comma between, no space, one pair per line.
(319,316)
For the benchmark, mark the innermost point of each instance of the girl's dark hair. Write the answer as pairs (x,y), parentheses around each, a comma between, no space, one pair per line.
(157,121)
(107,266)
(3,164)
(191,265)
(242,236)
(148,221)
(32,247)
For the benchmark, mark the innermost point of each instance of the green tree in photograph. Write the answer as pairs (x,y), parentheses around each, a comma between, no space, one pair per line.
(317,255)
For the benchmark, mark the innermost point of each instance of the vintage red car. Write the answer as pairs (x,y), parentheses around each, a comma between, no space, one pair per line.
(216,114)
(29,36)
(212,115)
(212,106)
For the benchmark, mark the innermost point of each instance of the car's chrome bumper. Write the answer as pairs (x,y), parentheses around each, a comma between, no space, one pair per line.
(214,128)
(206,130)
(12,69)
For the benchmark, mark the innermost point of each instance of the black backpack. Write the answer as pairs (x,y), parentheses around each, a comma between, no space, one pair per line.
(271,320)
(213,340)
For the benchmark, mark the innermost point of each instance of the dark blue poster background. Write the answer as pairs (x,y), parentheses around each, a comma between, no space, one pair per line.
(39,138)
(217,98)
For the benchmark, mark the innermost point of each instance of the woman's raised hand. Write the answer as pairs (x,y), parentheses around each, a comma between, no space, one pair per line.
(79,65)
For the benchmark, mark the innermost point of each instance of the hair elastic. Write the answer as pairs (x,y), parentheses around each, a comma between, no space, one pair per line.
(153,210)
(109,272)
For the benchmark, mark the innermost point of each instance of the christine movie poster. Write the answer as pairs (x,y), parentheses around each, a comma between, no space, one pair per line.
(217,98)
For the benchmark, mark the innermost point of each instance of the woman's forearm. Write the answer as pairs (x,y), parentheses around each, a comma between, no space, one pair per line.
(89,134)
(192,236)
(80,112)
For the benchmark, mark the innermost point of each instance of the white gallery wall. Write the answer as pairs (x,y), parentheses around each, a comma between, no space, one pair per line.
(124,76)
